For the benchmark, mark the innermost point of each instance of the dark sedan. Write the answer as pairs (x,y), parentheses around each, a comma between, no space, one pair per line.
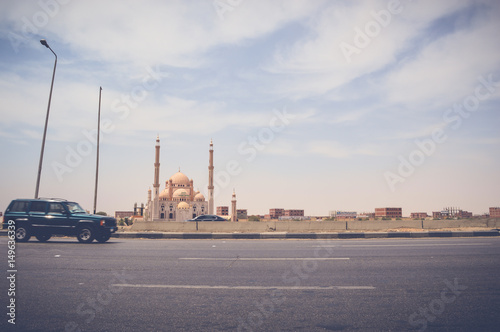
(208,217)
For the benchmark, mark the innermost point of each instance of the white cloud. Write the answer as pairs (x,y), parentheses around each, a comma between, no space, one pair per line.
(350,116)
(337,150)
(322,64)
(175,33)
(446,70)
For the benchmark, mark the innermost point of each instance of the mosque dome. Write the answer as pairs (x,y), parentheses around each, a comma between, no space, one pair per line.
(180,179)
(199,197)
(183,206)
(164,194)
(181,193)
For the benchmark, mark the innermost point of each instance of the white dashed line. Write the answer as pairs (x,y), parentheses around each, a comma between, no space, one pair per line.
(247,287)
(264,259)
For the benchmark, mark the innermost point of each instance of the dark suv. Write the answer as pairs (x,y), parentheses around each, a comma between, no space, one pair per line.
(208,217)
(43,218)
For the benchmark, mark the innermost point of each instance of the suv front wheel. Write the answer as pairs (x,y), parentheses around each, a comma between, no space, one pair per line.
(43,237)
(85,234)
(103,236)
(23,233)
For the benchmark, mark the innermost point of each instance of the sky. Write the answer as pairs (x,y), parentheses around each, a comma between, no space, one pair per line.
(314,105)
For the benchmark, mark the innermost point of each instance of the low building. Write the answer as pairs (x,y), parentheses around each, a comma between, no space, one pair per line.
(464,214)
(279,213)
(293,213)
(343,215)
(437,215)
(276,213)
(242,213)
(124,214)
(452,212)
(294,218)
(139,211)
(366,215)
(494,212)
(223,210)
(389,212)
(419,215)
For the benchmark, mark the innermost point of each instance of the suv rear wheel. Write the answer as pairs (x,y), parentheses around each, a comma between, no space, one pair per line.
(85,234)
(23,233)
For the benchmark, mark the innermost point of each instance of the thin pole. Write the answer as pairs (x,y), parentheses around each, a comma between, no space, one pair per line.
(43,42)
(97,159)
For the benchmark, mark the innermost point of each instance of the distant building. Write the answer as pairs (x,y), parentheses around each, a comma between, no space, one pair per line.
(293,213)
(276,213)
(139,211)
(223,210)
(437,215)
(294,218)
(464,214)
(124,214)
(279,213)
(242,214)
(451,212)
(389,212)
(343,214)
(419,215)
(365,215)
(494,212)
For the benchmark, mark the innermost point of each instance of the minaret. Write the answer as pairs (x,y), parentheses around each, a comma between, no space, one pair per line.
(211,179)
(156,184)
(234,214)
(147,213)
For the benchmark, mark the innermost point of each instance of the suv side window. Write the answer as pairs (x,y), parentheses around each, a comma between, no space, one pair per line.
(19,206)
(39,207)
(56,208)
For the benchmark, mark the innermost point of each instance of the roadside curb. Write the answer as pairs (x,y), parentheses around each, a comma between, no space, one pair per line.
(344,235)
(298,236)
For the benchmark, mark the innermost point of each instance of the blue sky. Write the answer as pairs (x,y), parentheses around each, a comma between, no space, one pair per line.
(314,105)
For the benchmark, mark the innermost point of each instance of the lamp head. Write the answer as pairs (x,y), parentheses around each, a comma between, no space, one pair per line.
(44,43)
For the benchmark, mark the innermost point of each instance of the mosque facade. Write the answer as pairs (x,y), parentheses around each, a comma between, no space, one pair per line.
(179,201)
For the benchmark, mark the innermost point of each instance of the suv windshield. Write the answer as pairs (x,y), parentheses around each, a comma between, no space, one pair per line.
(75,208)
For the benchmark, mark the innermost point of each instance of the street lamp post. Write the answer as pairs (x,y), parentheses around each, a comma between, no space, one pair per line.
(97,159)
(44,43)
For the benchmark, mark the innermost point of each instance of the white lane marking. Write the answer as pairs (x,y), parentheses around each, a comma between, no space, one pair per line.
(264,259)
(247,287)
(402,245)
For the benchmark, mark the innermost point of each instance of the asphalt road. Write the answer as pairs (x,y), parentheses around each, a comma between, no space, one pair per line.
(450,284)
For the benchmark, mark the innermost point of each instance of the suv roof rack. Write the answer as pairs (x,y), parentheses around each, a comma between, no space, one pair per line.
(53,199)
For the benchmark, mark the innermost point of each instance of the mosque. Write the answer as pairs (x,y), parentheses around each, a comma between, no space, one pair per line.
(178,201)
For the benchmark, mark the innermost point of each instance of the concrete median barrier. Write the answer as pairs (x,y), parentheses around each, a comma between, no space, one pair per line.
(162,226)
(230,227)
(440,224)
(310,226)
(380,225)
(301,227)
